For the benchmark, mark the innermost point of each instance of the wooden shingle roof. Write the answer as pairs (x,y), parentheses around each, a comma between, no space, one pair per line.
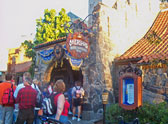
(154,45)
(22,67)
(45,44)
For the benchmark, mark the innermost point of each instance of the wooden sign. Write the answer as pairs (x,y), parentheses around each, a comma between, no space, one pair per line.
(130,91)
(78,45)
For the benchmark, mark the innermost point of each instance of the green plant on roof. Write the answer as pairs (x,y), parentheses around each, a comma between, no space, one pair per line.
(153,38)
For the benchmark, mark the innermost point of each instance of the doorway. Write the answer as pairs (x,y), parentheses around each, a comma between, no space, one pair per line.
(66,73)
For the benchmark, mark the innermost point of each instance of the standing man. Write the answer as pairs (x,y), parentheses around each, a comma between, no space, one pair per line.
(20,86)
(27,99)
(39,99)
(6,111)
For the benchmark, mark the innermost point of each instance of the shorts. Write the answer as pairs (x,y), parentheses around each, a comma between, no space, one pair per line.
(77,102)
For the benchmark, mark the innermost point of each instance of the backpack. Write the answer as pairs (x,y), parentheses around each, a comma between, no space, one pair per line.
(48,105)
(78,92)
(8,98)
(39,98)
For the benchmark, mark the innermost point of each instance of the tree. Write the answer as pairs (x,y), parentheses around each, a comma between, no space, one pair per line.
(163,0)
(49,28)
(52,26)
(28,45)
(30,53)
(62,24)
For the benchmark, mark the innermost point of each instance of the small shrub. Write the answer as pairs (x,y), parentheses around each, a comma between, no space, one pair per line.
(148,113)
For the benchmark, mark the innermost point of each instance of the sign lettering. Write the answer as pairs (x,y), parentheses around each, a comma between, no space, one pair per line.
(78,45)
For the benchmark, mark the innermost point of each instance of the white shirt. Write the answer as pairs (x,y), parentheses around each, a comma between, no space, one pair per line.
(50,89)
(34,86)
(20,86)
(81,90)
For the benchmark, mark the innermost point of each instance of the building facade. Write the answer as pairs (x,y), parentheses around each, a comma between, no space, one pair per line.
(150,55)
(18,63)
(115,28)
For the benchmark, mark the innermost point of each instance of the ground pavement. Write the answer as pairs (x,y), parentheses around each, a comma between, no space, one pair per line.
(84,121)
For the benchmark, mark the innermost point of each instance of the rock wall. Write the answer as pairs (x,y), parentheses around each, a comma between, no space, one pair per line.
(154,81)
(116,28)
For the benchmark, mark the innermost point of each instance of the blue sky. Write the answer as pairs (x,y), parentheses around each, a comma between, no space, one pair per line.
(18,20)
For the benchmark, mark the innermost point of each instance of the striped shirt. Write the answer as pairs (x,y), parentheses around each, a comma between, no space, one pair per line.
(26,97)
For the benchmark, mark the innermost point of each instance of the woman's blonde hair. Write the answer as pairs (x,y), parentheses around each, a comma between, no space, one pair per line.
(59,86)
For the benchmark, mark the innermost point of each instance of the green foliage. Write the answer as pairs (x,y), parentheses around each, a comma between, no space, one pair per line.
(28,45)
(62,22)
(52,26)
(163,0)
(49,28)
(148,113)
(30,53)
(153,38)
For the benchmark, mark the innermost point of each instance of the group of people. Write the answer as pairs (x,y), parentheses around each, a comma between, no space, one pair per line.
(25,108)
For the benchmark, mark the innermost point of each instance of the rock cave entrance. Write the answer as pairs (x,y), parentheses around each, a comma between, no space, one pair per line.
(66,73)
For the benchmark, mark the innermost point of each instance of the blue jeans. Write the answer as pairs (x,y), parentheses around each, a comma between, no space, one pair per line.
(36,118)
(0,114)
(15,113)
(62,119)
(6,115)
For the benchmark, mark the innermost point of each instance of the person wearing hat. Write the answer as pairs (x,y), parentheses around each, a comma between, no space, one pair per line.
(27,99)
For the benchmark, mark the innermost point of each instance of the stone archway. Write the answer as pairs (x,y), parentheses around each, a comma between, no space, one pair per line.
(65,72)
(48,71)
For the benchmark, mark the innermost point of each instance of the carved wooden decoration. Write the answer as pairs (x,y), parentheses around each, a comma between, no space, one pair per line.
(58,51)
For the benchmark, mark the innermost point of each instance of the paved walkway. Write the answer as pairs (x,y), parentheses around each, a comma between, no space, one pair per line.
(83,121)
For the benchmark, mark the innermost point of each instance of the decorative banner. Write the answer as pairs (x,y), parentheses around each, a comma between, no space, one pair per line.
(78,45)
(66,52)
(58,51)
(75,63)
(46,55)
(64,47)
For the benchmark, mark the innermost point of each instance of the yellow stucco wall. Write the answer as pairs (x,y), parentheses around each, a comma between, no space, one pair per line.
(19,56)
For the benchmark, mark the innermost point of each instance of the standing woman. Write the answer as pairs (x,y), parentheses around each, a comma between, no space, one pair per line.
(77,99)
(60,101)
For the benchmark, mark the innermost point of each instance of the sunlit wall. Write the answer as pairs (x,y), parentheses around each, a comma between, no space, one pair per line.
(17,55)
(127,21)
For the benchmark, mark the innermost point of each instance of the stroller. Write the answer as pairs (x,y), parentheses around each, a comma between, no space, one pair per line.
(48,120)
(121,121)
